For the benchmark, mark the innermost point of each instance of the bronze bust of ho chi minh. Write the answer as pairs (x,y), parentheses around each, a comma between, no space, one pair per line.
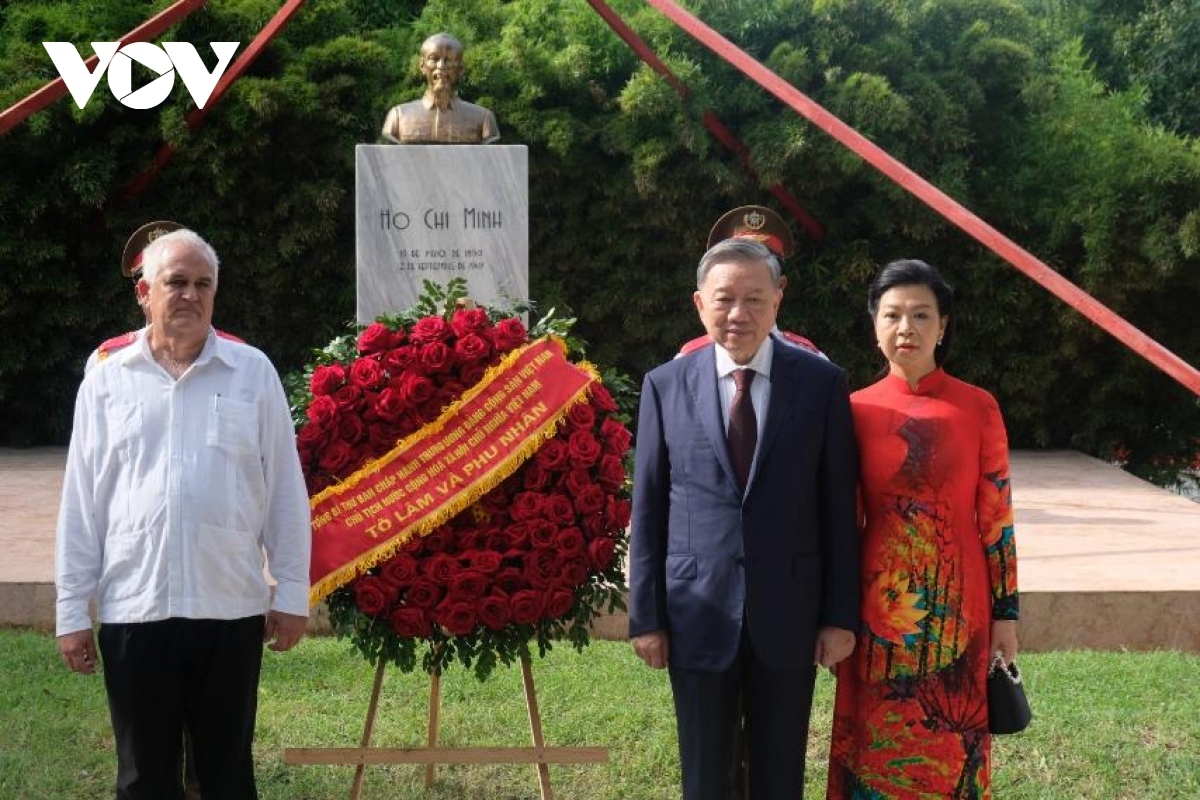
(441,116)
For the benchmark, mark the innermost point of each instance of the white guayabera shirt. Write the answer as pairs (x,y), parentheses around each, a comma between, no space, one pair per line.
(174,490)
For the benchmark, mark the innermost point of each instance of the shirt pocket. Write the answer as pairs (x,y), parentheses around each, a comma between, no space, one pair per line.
(232,425)
(228,564)
(128,565)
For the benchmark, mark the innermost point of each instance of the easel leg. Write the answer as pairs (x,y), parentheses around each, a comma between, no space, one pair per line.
(368,727)
(435,701)
(535,727)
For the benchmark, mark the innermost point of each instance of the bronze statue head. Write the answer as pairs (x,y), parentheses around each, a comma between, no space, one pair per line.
(441,63)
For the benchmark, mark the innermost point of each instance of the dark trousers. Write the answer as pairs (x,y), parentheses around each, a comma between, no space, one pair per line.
(710,711)
(163,676)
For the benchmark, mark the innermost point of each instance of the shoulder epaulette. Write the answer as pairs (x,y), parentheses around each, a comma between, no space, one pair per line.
(801,342)
(229,337)
(694,345)
(115,343)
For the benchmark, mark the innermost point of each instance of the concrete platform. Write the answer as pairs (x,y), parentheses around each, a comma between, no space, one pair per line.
(1106,561)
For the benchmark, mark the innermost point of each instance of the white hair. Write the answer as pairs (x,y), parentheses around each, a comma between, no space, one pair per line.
(152,256)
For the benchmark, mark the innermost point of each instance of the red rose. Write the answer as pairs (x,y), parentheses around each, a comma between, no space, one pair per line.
(574,570)
(390,405)
(415,389)
(450,391)
(508,334)
(399,570)
(569,541)
(616,437)
(312,436)
(558,603)
(322,410)
(517,535)
(527,505)
(536,477)
(594,525)
(410,623)
(493,611)
(576,481)
(440,567)
(351,429)
(441,539)
(526,606)
(472,372)
(336,457)
(472,347)
(378,337)
(600,552)
(430,329)
(581,415)
(510,580)
(590,500)
(367,373)
(347,397)
(486,561)
(541,567)
(552,455)
(469,321)
(325,379)
(602,400)
(616,513)
(371,595)
(558,509)
(542,533)
(496,502)
(410,422)
(383,437)
(468,585)
(456,617)
(436,357)
(470,540)
(423,593)
(399,359)
(611,472)
(583,447)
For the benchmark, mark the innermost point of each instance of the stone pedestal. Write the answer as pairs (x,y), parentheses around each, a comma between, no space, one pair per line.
(436,212)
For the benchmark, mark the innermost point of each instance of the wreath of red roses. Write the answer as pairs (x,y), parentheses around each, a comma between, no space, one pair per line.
(536,559)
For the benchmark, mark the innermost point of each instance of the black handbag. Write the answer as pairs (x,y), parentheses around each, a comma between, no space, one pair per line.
(1008,707)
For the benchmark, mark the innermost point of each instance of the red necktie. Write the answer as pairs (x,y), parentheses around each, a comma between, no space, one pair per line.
(743,427)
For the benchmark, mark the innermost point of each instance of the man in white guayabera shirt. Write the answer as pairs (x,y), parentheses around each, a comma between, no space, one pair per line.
(182,472)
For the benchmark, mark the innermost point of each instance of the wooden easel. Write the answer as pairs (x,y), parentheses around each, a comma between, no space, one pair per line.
(432,755)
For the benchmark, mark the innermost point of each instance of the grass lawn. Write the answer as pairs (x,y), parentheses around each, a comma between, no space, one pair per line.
(1108,726)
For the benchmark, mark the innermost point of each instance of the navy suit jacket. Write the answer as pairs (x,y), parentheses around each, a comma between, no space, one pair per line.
(785,556)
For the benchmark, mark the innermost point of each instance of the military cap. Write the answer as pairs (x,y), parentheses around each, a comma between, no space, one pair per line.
(131,257)
(758,223)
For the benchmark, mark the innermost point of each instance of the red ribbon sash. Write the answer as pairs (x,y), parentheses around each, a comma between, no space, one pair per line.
(447,466)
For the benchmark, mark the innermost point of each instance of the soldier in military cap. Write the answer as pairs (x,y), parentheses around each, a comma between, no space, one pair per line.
(131,267)
(762,225)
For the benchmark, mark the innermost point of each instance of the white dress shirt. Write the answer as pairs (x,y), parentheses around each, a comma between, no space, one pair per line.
(760,388)
(174,489)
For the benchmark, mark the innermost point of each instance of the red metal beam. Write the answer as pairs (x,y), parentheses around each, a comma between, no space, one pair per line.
(194,119)
(57,88)
(933,197)
(714,125)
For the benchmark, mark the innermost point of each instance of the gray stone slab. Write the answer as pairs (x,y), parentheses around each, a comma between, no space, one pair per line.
(436,212)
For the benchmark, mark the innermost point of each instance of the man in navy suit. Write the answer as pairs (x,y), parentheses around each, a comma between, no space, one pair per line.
(743,584)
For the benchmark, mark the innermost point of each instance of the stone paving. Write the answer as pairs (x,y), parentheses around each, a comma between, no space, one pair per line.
(1106,561)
